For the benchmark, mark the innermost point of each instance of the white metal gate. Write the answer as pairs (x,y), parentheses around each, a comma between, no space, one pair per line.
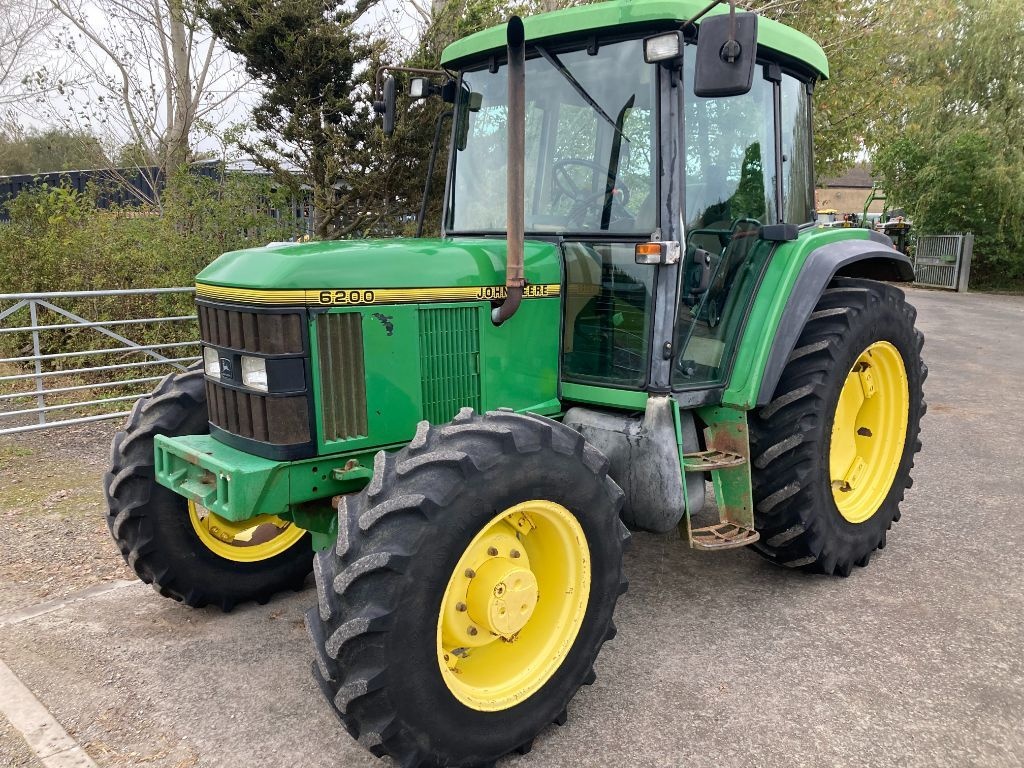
(59,395)
(944,261)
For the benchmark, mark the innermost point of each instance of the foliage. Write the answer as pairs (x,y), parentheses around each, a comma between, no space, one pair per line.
(304,54)
(315,124)
(57,240)
(55,149)
(952,157)
(143,76)
(860,37)
(23,24)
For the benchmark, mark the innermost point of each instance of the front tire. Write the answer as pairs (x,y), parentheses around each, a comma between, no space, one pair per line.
(174,545)
(516,503)
(833,451)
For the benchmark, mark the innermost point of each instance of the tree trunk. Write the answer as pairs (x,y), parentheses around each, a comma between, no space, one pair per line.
(176,137)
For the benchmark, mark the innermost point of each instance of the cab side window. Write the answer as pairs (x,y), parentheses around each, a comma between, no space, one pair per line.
(730,193)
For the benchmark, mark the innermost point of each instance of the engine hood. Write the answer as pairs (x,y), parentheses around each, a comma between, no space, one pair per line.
(373,264)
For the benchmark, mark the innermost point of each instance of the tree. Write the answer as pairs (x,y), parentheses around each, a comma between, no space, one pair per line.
(28,151)
(952,156)
(155,74)
(446,21)
(312,126)
(22,24)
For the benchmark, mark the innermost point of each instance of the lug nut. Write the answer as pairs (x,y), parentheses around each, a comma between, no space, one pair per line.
(514,553)
(460,607)
(470,573)
(472,631)
(492,551)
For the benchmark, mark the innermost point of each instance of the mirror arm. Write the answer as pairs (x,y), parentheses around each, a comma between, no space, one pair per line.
(705,11)
(730,52)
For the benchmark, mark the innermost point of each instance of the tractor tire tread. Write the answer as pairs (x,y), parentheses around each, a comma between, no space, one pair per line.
(787,436)
(177,406)
(384,527)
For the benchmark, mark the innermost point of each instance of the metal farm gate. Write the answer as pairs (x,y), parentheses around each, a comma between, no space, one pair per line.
(944,261)
(98,372)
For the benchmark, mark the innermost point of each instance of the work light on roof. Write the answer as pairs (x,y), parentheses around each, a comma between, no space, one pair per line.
(419,88)
(663,47)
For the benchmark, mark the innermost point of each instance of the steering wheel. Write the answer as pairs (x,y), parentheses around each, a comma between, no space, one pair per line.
(583,200)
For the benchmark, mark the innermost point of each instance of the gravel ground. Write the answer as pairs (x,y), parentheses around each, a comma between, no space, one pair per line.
(721,660)
(53,535)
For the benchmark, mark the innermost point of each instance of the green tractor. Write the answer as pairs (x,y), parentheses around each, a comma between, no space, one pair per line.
(630,300)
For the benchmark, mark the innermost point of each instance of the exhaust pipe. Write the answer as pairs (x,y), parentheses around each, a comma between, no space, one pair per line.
(515,212)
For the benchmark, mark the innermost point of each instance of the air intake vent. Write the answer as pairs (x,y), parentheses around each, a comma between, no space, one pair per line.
(342,376)
(450,361)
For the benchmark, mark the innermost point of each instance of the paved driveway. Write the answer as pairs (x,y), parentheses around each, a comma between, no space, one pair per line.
(721,659)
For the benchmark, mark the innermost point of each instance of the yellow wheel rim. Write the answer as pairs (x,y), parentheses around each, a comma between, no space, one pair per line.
(249,541)
(869,431)
(513,606)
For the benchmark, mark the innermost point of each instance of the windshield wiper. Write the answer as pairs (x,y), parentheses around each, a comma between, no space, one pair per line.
(554,61)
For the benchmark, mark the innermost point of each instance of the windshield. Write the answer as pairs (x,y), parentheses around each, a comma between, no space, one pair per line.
(590,163)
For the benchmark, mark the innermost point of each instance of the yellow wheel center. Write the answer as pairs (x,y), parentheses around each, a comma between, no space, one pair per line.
(502,596)
(248,541)
(513,606)
(869,431)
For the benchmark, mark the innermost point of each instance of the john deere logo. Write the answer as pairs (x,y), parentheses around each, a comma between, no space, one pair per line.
(225,368)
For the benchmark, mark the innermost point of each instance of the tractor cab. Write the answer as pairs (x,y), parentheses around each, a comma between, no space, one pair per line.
(620,153)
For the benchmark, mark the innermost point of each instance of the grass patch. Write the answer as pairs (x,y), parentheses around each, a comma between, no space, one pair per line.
(14,452)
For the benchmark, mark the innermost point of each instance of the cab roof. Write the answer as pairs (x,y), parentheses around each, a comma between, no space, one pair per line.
(622,15)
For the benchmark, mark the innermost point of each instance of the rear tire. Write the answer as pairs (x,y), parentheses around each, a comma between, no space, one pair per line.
(151,523)
(383,589)
(795,510)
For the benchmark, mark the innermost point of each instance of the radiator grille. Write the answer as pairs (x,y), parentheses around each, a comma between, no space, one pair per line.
(282,420)
(268,334)
(450,361)
(342,375)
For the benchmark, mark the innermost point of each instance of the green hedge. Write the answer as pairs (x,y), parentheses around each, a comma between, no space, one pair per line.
(58,240)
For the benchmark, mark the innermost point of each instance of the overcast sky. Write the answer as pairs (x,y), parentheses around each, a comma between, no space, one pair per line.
(391,17)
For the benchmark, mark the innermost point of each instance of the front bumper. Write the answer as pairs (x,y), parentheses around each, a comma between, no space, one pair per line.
(237,485)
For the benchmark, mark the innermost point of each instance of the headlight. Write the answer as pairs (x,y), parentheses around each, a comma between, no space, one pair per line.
(211,362)
(254,372)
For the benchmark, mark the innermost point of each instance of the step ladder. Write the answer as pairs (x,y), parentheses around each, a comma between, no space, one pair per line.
(727,458)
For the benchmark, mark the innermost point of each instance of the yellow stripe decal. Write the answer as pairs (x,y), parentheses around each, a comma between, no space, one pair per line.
(350,297)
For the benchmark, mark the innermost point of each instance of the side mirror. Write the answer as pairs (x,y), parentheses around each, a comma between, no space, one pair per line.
(388,105)
(699,269)
(725,58)
(471,102)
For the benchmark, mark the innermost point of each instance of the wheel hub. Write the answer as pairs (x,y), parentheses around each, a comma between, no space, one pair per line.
(502,596)
(869,429)
(513,605)
(258,538)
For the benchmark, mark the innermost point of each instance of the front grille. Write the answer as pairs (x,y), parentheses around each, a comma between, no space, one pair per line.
(450,361)
(342,376)
(268,333)
(277,424)
(281,420)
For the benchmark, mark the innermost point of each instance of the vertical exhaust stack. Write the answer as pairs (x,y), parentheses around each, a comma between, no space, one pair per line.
(515,212)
